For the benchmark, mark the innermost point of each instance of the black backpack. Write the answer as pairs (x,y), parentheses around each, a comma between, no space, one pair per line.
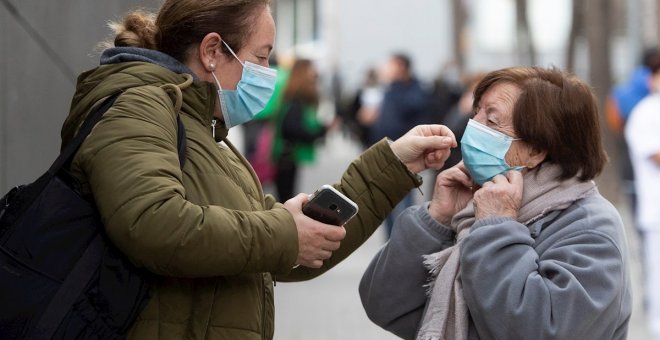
(60,276)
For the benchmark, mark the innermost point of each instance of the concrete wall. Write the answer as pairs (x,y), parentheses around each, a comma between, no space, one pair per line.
(34,92)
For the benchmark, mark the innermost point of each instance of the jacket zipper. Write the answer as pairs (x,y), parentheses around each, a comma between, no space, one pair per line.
(213,123)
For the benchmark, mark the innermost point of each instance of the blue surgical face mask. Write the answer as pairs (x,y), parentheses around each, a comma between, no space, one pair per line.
(252,93)
(484,150)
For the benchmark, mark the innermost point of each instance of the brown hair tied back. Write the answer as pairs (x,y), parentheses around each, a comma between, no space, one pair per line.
(181,24)
(138,29)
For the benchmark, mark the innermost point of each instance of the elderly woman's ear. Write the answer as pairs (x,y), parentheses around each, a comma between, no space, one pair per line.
(535,157)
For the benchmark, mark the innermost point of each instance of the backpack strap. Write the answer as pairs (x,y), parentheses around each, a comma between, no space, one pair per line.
(67,154)
(64,298)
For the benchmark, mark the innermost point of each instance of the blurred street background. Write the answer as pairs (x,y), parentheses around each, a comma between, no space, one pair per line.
(44,45)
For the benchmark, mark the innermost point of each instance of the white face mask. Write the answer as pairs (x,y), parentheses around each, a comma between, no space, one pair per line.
(252,92)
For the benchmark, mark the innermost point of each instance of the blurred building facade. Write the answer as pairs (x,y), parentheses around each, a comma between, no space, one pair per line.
(45,44)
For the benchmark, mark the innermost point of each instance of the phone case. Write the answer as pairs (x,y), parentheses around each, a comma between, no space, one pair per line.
(330,206)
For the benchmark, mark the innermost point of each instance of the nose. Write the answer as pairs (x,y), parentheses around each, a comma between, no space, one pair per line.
(480,117)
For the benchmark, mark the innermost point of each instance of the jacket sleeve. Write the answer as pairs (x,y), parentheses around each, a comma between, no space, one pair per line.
(131,163)
(393,288)
(376,181)
(569,290)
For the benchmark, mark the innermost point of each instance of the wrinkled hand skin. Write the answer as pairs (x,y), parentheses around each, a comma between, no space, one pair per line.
(452,192)
(501,196)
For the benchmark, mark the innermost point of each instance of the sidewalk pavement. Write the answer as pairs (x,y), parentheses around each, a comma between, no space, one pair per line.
(329,307)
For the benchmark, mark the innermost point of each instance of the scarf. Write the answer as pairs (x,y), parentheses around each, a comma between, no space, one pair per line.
(446,314)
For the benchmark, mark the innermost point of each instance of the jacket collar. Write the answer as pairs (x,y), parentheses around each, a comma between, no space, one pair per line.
(116,55)
(199,99)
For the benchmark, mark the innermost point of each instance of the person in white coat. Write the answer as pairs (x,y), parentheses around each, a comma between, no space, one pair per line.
(641,134)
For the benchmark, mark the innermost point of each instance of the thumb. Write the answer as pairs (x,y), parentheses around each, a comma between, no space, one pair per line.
(435,142)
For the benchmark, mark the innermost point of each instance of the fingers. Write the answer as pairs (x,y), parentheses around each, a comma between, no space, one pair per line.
(501,196)
(445,131)
(317,241)
(515,177)
(334,233)
(455,174)
(315,261)
(439,130)
(436,150)
(437,142)
(511,177)
(312,264)
(295,203)
(437,158)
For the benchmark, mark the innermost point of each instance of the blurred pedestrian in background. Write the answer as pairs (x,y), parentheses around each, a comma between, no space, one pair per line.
(641,134)
(517,242)
(619,104)
(259,133)
(405,104)
(365,107)
(626,95)
(446,90)
(298,127)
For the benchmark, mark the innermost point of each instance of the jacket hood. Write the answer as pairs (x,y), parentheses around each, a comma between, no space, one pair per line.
(118,55)
(122,68)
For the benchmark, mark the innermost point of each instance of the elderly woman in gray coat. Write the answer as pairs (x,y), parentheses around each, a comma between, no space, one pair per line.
(517,242)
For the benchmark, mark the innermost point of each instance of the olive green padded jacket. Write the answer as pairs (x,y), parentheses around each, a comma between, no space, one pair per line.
(214,240)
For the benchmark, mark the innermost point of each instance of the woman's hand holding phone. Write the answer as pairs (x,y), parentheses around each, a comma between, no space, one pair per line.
(330,206)
(316,240)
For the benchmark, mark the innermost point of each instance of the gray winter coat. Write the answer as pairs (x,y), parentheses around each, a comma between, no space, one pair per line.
(563,277)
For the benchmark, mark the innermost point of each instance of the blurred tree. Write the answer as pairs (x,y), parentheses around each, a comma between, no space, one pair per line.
(460,20)
(577,30)
(525,47)
(598,36)
(654,23)
(648,21)
(597,21)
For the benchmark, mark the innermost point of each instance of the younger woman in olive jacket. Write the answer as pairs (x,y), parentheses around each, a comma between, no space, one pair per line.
(212,238)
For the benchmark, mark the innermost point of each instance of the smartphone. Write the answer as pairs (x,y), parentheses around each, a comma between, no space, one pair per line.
(330,206)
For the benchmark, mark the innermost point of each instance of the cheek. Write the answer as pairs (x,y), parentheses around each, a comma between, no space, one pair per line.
(234,79)
(230,76)
(516,155)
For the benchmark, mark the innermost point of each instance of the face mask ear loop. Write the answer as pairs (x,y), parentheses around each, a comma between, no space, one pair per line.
(213,122)
(216,80)
(234,54)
